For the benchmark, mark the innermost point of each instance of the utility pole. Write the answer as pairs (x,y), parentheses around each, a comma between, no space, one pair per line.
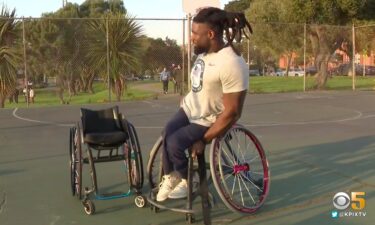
(64,3)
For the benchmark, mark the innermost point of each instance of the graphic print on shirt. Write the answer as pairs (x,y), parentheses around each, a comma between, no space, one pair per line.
(197,76)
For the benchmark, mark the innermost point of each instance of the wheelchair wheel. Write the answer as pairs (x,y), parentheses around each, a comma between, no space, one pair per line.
(239,170)
(154,165)
(135,159)
(140,201)
(89,207)
(75,150)
(71,160)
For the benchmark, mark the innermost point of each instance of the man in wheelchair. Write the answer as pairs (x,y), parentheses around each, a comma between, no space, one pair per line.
(220,81)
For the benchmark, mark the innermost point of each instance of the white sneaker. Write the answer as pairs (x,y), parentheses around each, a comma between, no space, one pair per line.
(181,190)
(167,184)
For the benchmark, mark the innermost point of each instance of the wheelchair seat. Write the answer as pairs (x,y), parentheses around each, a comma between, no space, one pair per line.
(103,128)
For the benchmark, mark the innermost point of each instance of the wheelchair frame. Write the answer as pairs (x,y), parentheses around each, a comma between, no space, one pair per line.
(216,168)
(129,152)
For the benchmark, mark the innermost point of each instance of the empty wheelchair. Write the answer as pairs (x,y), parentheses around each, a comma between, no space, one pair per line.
(105,136)
(239,170)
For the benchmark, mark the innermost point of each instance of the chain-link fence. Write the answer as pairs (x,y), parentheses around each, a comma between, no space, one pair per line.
(71,54)
(309,57)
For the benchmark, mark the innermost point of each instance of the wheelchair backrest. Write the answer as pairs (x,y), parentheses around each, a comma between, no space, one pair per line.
(101,121)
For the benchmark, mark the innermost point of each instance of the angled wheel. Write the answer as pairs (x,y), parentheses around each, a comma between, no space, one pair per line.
(89,207)
(135,159)
(71,160)
(140,201)
(239,170)
(154,165)
(75,150)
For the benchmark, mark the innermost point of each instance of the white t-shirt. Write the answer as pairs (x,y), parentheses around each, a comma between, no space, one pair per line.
(31,93)
(212,75)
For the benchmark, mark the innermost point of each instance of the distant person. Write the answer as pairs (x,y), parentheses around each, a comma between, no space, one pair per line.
(32,95)
(24,91)
(177,76)
(164,77)
(16,94)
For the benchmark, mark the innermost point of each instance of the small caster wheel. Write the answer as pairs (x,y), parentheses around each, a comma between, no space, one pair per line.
(89,207)
(190,218)
(140,201)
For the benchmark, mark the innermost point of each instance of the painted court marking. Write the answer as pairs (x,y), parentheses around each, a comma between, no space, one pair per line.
(358,115)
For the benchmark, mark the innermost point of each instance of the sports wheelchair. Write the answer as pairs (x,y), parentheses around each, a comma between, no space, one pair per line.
(108,137)
(239,171)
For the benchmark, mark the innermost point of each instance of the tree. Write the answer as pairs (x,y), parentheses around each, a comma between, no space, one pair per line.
(324,39)
(66,48)
(161,53)
(9,55)
(124,48)
(98,8)
(237,5)
(274,39)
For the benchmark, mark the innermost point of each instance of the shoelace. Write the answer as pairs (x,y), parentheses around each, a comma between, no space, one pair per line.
(181,184)
(164,180)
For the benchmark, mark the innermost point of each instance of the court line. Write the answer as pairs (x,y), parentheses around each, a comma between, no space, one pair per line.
(39,121)
(356,117)
(359,115)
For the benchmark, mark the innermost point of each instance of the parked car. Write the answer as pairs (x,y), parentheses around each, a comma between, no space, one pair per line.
(346,68)
(132,78)
(146,77)
(254,72)
(311,70)
(296,73)
(369,70)
(280,73)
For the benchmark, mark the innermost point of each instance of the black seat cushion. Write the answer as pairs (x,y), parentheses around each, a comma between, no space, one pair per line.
(106,139)
(103,127)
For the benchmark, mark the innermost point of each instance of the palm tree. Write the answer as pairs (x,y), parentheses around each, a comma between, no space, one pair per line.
(8,54)
(124,48)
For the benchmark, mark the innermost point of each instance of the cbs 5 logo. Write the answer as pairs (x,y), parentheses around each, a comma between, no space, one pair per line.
(341,200)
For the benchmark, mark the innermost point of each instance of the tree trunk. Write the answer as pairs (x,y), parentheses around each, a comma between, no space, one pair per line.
(288,60)
(60,90)
(322,75)
(90,83)
(60,94)
(322,53)
(2,101)
(118,89)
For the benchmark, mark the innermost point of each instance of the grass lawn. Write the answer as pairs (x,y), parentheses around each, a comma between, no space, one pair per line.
(295,84)
(147,89)
(48,96)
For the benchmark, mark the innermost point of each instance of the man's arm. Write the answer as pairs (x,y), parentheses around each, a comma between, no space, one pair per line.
(233,104)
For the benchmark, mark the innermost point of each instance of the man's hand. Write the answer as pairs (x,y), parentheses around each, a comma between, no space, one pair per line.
(197,148)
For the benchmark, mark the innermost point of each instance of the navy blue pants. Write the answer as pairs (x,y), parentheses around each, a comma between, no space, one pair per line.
(179,135)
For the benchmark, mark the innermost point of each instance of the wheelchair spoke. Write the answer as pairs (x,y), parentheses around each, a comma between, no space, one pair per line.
(228,157)
(239,184)
(253,183)
(229,144)
(258,173)
(234,184)
(226,177)
(248,191)
(256,157)
(239,146)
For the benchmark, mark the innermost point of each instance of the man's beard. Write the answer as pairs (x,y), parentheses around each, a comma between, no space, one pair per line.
(200,50)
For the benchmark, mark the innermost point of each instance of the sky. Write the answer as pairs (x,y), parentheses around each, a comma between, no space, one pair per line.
(136,8)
